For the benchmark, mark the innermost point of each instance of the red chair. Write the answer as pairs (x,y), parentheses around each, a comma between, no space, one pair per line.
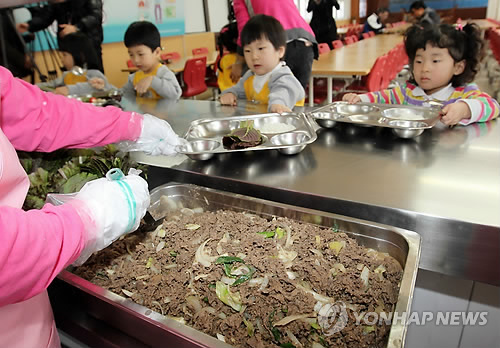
(373,82)
(200,50)
(366,36)
(194,77)
(337,44)
(130,64)
(371,33)
(323,48)
(349,40)
(169,56)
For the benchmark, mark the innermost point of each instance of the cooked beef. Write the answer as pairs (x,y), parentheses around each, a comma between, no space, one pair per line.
(159,270)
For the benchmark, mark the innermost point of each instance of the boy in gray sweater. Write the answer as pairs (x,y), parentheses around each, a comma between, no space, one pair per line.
(268,80)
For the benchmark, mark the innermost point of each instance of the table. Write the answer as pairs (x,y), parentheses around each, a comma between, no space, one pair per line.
(443,184)
(350,61)
(177,66)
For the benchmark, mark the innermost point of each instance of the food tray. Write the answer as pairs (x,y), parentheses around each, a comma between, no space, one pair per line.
(151,328)
(406,121)
(102,98)
(205,135)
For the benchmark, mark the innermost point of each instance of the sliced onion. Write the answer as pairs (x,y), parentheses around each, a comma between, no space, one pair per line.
(194,302)
(227,280)
(255,281)
(316,345)
(170,266)
(286,256)
(201,276)
(198,210)
(289,240)
(221,338)
(288,319)
(128,293)
(167,300)
(265,283)
(316,252)
(365,273)
(202,256)
(187,211)
(222,315)
(292,275)
(160,246)
(294,339)
(159,305)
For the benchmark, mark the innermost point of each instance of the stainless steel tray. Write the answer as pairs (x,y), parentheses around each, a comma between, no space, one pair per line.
(406,121)
(205,135)
(154,329)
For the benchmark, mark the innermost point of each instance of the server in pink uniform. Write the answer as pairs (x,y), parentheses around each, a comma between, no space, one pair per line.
(36,245)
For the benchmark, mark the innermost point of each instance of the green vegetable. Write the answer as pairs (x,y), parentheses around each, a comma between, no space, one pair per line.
(244,277)
(287,345)
(250,328)
(228,260)
(280,232)
(224,294)
(274,330)
(267,234)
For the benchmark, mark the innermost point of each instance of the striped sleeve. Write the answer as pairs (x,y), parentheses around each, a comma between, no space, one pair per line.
(386,96)
(489,108)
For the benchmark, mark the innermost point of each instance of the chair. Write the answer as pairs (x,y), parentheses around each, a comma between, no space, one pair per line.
(323,48)
(349,40)
(371,33)
(199,50)
(194,77)
(169,56)
(130,64)
(366,36)
(337,44)
(373,82)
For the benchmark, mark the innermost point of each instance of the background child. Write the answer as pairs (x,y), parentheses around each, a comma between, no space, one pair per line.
(77,50)
(227,45)
(444,60)
(153,80)
(269,80)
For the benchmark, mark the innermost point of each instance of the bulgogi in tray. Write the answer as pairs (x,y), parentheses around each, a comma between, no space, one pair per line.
(252,282)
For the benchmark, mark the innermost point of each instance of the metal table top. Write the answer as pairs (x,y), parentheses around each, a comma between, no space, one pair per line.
(443,184)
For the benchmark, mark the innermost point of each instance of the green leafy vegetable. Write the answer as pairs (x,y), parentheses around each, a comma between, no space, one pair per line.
(224,294)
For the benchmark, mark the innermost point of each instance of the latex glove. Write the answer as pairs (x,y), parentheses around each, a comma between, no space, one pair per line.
(157,138)
(110,207)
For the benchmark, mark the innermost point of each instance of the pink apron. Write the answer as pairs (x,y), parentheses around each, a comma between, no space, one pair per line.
(27,324)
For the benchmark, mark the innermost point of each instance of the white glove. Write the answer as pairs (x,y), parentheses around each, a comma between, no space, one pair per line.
(157,138)
(110,207)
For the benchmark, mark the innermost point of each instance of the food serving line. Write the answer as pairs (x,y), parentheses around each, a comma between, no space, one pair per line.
(443,184)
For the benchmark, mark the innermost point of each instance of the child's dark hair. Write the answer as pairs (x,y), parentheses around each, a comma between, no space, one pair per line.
(462,44)
(417,5)
(80,47)
(142,33)
(262,26)
(228,37)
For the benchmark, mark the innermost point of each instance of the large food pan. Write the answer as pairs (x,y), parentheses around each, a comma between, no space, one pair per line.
(406,121)
(287,133)
(153,329)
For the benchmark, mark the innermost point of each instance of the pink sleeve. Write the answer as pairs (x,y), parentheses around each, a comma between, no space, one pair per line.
(242,16)
(36,246)
(34,120)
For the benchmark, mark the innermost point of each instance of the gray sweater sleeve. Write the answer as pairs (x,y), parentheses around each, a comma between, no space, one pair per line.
(239,89)
(128,89)
(83,88)
(58,82)
(284,88)
(165,84)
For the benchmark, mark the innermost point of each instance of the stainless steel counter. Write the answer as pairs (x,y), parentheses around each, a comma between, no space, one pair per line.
(445,184)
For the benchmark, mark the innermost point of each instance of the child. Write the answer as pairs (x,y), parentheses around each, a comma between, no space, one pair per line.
(227,44)
(269,80)
(77,51)
(443,61)
(153,80)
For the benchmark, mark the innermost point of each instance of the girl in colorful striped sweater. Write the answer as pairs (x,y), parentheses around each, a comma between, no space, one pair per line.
(444,60)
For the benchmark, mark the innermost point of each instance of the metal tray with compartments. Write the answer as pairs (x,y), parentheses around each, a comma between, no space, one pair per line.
(406,121)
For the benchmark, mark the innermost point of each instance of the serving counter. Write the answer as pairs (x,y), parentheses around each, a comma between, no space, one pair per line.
(444,184)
